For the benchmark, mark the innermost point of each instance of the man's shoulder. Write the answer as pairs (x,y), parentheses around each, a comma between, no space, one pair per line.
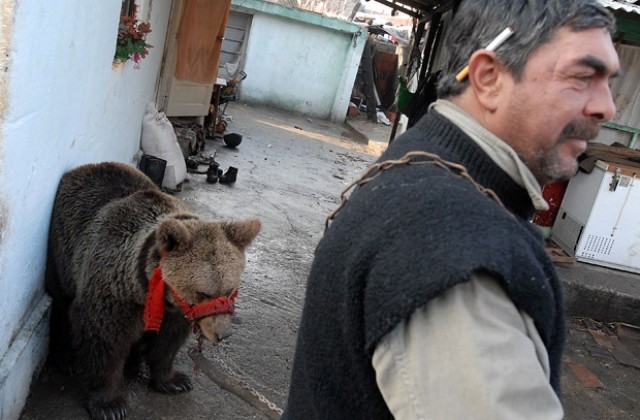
(431,125)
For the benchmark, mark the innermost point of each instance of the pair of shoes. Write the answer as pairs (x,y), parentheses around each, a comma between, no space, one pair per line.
(230,176)
(213,172)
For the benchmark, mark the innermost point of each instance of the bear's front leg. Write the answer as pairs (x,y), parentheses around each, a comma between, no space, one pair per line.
(60,337)
(104,406)
(102,345)
(161,349)
(105,379)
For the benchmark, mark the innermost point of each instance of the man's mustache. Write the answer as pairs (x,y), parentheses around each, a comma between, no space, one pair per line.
(580,130)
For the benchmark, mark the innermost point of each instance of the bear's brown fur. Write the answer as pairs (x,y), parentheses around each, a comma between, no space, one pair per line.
(111,228)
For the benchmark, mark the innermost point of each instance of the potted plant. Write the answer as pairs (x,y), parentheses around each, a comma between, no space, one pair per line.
(131,43)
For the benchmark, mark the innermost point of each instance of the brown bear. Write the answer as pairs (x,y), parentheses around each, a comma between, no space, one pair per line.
(131,270)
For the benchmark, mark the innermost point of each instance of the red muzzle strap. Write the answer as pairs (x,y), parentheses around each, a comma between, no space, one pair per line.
(219,306)
(154,304)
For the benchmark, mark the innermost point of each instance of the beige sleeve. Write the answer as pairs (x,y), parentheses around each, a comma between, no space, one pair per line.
(469,353)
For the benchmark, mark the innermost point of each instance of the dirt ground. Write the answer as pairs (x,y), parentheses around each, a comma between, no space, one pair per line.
(291,172)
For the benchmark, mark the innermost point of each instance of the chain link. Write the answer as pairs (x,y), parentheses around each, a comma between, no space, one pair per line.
(262,398)
(410,159)
(236,372)
(243,379)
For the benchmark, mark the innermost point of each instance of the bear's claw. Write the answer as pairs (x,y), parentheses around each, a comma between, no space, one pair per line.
(107,410)
(179,383)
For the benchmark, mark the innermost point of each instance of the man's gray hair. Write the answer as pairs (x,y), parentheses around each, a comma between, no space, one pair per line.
(535,22)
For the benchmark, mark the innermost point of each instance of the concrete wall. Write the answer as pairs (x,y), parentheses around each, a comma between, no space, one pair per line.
(62,104)
(300,61)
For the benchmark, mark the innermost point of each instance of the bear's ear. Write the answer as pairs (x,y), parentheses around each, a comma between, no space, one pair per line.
(242,232)
(172,234)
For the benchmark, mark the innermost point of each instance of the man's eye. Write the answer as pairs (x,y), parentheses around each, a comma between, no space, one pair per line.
(584,77)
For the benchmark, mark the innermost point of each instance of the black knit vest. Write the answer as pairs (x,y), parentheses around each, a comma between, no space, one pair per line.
(402,239)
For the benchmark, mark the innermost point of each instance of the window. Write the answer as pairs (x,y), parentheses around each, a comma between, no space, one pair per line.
(128,8)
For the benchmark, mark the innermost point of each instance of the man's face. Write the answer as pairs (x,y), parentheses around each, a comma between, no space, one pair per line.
(560,102)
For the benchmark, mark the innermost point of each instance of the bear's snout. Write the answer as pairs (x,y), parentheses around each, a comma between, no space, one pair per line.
(215,328)
(224,334)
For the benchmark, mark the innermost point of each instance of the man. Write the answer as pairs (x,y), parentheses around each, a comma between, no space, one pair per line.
(431,295)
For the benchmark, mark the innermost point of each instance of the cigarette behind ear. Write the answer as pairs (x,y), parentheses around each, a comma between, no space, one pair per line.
(463,74)
(493,45)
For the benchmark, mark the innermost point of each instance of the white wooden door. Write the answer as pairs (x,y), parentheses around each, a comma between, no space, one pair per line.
(179,98)
(188,99)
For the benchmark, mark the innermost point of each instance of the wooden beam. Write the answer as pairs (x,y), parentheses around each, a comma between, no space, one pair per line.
(400,8)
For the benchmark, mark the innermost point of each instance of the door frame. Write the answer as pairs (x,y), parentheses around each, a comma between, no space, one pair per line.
(170,56)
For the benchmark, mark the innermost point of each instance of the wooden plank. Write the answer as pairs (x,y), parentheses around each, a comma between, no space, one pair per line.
(601,338)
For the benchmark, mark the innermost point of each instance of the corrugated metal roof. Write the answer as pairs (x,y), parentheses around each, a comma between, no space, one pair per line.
(629,6)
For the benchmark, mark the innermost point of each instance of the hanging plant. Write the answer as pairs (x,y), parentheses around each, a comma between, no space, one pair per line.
(131,43)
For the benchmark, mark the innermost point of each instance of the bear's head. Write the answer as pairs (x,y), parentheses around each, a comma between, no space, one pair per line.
(203,261)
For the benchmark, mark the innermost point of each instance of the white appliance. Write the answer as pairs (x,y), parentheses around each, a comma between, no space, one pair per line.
(599,218)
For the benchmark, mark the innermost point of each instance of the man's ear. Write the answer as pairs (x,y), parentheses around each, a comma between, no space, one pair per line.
(486,78)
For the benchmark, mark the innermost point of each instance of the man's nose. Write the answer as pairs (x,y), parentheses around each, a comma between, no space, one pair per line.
(601,107)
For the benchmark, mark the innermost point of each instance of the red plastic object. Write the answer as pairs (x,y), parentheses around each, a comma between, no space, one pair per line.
(553,194)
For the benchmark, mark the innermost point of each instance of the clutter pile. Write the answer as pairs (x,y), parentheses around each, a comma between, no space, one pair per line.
(214,172)
(173,148)
(216,121)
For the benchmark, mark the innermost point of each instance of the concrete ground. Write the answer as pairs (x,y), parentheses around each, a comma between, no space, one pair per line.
(291,172)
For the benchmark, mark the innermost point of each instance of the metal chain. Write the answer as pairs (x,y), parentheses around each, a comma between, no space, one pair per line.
(238,374)
(199,337)
(243,379)
(408,159)
(262,398)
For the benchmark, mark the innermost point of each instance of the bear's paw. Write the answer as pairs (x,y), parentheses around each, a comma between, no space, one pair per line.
(101,408)
(177,384)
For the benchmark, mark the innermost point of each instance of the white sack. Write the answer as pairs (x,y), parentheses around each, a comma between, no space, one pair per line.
(159,140)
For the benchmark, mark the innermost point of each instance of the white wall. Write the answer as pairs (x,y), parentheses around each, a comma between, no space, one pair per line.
(65,106)
(300,61)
